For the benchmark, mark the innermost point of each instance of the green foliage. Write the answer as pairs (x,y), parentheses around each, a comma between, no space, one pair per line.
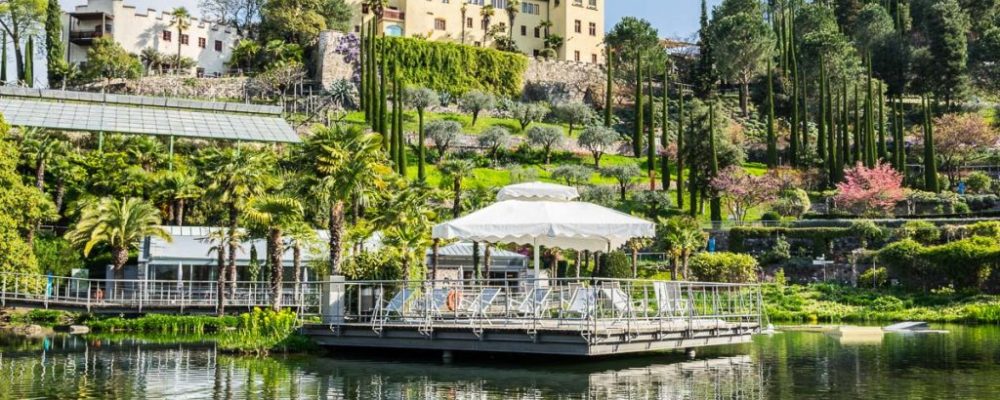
(792,203)
(56,255)
(724,267)
(821,237)
(979,182)
(874,277)
(598,140)
(262,331)
(40,317)
(107,60)
(475,102)
(777,254)
(374,266)
(574,114)
(455,68)
(615,265)
(923,232)
(965,263)
(867,232)
(988,229)
(158,323)
(573,175)
(770,216)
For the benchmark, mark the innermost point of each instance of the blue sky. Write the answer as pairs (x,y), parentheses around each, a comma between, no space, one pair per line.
(673,18)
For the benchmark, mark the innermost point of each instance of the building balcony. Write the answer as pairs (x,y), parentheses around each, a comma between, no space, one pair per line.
(86,37)
(394,15)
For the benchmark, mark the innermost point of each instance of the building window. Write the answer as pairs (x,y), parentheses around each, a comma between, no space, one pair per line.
(357,28)
(577,26)
(200,72)
(476,2)
(576,56)
(593,3)
(535,53)
(166,36)
(503,27)
(524,30)
(578,3)
(530,8)
(593,29)
(484,24)
(499,4)
(593,58)
(202,42)
(446,1)
(218,46)
(468,22)
(184,39)
(538,31)
(440,24)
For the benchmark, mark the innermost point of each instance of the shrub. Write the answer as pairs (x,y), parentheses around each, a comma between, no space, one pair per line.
(990,229)
(777,254)
(874,277)
(792,203)
(903,261)
(981,202)
(867,232)
(615,265)
(724,267)
(873,191)
(887,303)
(978,182)
(965,263)
(371,266)
(922,231)
(260,331)
(770,216)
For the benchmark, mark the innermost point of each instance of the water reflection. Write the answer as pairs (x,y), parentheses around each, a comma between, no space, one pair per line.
(76,367)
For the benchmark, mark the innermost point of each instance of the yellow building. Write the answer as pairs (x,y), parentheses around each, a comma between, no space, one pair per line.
(579,22)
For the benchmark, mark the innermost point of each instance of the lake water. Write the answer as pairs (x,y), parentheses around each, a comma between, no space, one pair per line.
(793,365)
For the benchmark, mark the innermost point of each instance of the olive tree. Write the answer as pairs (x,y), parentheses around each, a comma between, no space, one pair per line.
(598,140)
(573,175)
(545,137)
(476,102)
(624,175)
(421,98)
(442,133)
(526,113)
(493,139)
(574,114)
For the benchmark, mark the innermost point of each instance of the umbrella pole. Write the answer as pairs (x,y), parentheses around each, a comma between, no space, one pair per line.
(537,261)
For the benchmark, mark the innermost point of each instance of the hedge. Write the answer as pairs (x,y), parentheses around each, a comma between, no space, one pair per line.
(820,236)
(456,68)
(724,267)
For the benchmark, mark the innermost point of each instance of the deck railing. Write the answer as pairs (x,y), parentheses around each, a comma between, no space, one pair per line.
(527,303)
(148,295)
(537,304)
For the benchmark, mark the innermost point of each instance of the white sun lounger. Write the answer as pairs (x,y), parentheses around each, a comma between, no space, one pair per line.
(399,302)
(669,301)
(482,302)
(535,302)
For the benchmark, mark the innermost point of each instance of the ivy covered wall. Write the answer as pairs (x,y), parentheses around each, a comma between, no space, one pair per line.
(455,68)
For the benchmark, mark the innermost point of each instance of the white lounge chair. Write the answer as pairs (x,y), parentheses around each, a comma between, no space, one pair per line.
(399,302)
(669,300)
(536,301)
(482,302)
(583,302)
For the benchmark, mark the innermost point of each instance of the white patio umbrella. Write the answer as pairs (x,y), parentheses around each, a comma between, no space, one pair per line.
(542,214)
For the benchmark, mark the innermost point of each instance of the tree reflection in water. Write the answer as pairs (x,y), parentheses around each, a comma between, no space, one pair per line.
(118,368)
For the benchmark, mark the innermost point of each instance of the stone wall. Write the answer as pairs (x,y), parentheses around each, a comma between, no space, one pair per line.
(550,81)
(330,65)
(178,86)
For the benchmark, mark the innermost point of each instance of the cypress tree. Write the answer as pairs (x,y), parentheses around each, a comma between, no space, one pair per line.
(651,134)
(664,160)
(716,202)
(29,62)
(373,78)
(793,145)
(821,114)
(831,139)
(3,56)
(383,86)
(608,93)
(870,147)
(845,134)
(637,131)
(858,144)
(930,163)
(363,59)
(53,41)
(900,138)
(883,152)
(804,110)
(693,173)
(680,147)
(772,137)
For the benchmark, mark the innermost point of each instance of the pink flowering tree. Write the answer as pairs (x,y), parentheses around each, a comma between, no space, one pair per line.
(873,191)
(741,191)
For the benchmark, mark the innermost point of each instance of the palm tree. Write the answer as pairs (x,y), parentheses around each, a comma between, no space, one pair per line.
(181,21)
(274,214)
(456,170)
(151,59)
(487,13)
(350,166)
(300,237)
(377,7)
(681,237)
(120,224)
(39,145)
(512,9)
(176,188)
(218,238)
(235,176)
(406,222)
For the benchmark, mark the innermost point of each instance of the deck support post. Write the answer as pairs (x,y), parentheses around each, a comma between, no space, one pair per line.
(690,352)
(447,357)
(333,298)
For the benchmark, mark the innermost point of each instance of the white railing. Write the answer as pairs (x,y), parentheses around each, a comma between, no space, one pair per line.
(148,295)
(627,304)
